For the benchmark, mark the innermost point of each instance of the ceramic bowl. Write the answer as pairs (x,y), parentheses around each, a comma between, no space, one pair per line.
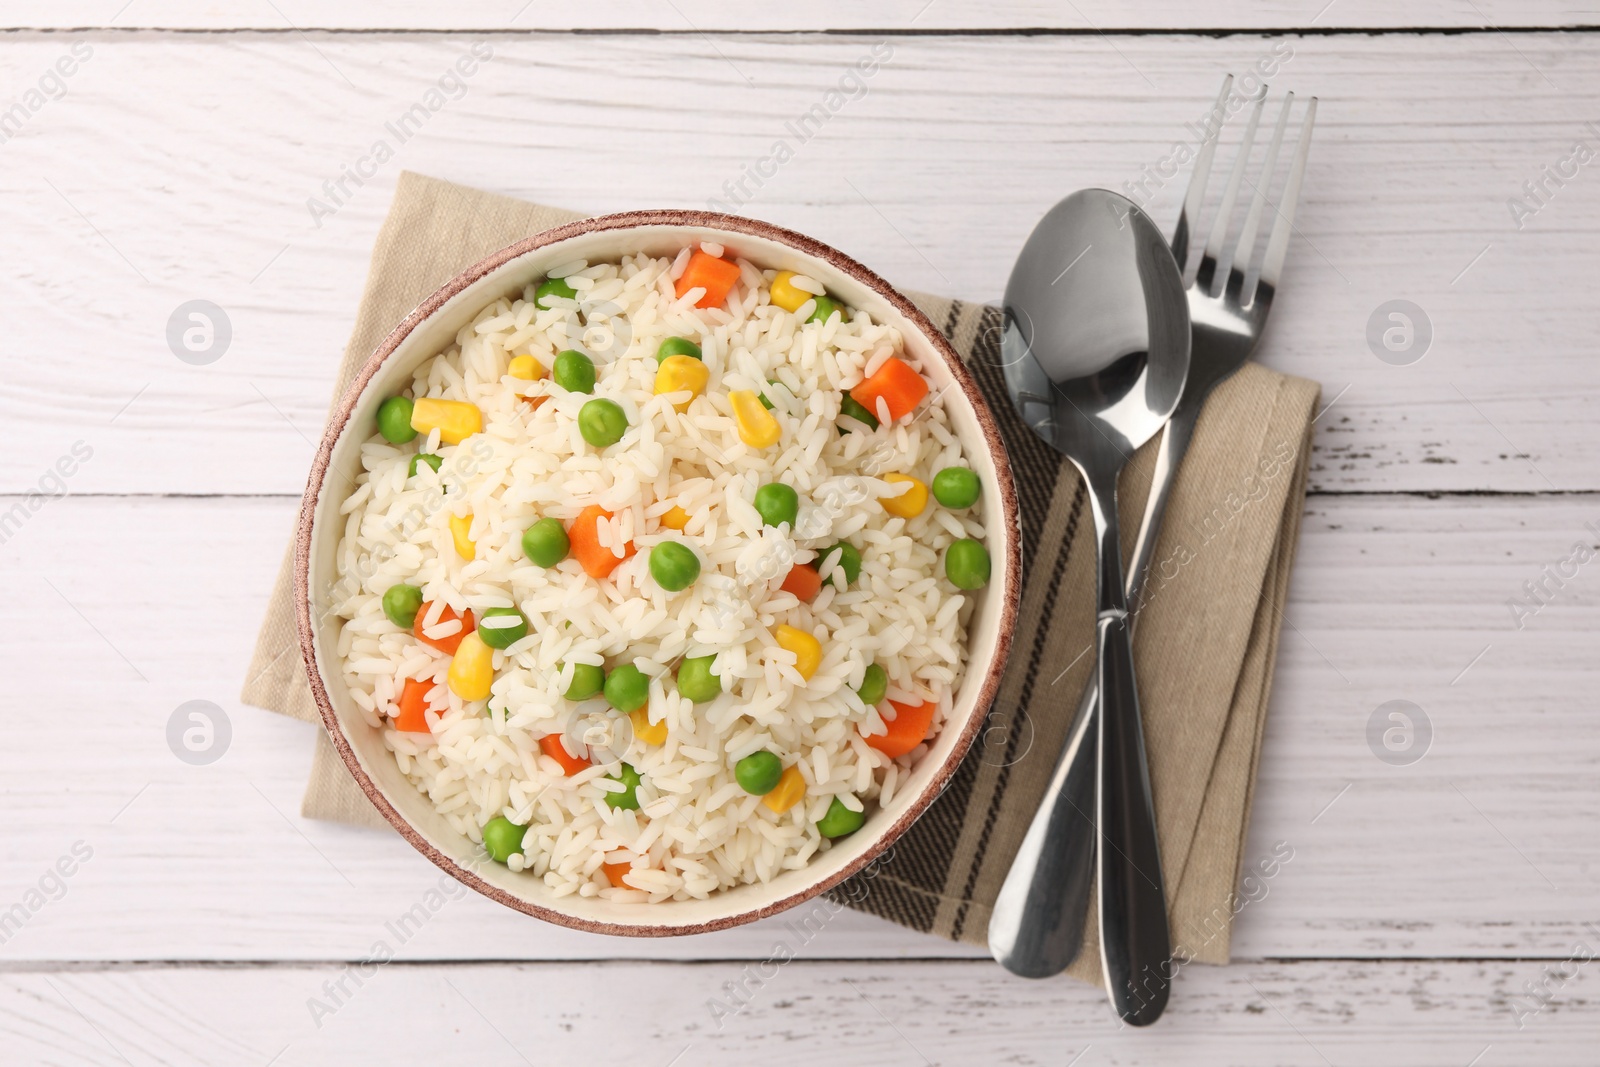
(430,329)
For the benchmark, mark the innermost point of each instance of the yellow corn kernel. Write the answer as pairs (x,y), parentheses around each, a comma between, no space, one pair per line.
(757,427)
(527,368)
(787,793)
(786,295)
(807,649)
(465,547)
(643,730)
(456,420)
(910,503)
(680,373)
(471,668)
(675,518)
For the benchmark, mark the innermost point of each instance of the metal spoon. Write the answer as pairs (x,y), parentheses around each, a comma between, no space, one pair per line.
(1096,368)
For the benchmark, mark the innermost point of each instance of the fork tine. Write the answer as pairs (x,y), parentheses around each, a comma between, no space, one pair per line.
(1196,193)
(1278,243)
(1245,249)
(1219,226)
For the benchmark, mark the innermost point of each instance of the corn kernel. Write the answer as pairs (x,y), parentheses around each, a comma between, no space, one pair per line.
(807,649)
(679,374)
(910,503)
(527,368)
(785,294)
(471,668)
(788,792)
(675,518)
(757,427)
(465,547)
(456,420)
(655,734)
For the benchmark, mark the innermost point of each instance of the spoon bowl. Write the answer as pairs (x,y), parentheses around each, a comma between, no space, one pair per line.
(1094,292)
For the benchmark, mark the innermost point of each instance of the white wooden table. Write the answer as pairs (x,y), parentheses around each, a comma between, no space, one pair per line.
(1434,913)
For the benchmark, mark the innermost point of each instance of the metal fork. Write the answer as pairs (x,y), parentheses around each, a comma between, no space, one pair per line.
(1227,323)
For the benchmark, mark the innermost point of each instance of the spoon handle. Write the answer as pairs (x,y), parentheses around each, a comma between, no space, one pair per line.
(1036,928)
(1135,945)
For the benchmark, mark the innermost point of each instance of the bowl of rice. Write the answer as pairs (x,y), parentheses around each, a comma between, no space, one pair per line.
(657,572)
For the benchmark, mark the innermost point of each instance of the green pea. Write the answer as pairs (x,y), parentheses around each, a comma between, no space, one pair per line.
(629,797)
(777,504)
(573,371)
(627,689)
(848,562)
(401,603)
(394,420)
(588,680)
(502,636)
(840,820)
(678,346)
(849,405)
(956,487)
(502,838)
(602,422)
(674,566)
(545,543)
(424,457)
(763,396)
(758,773)
(966,564)
(696,682)
(825,308)
(874,685)
(553,287)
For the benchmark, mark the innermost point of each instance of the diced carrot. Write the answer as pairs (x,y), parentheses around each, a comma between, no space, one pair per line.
(715,276)
(570,764)
(803,581)
(597,560)
(614,873)
(413,702)
(901,388)
(447,645)
(906,732)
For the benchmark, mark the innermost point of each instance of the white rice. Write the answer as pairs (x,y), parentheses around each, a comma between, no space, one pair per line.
(696,831)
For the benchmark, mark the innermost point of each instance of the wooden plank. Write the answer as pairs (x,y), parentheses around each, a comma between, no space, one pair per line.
(1480,849)
(1249,1015)
(710,15)
(131,199)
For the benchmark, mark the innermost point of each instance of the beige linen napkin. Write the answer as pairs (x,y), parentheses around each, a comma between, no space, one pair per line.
(1205,643)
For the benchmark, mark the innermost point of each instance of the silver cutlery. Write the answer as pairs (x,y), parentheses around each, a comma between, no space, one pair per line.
(1045,898)
(1095,368)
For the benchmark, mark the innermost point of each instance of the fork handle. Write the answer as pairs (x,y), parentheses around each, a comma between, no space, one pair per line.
(1135,943)
(1175,441)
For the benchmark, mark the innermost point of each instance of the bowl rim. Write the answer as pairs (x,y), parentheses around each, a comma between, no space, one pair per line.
(339,419)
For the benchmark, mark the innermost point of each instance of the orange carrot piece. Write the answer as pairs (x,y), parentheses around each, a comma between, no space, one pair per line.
(447,645)
(715,276)
(597,560)
(570,764)
(803,581)
(906,732)
(413,703)
(614,873)
(901,388)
